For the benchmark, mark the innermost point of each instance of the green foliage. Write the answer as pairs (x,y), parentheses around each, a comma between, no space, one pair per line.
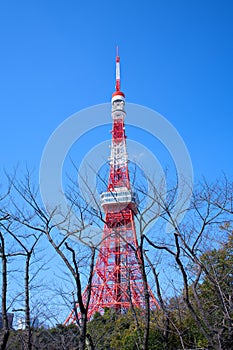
(112,331)
(215,292)
(211,299)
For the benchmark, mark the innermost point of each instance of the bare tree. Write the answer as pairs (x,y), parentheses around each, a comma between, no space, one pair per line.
(185,245)
(98,218)
(36,218)
(4,218)
(5,325)
(27,252)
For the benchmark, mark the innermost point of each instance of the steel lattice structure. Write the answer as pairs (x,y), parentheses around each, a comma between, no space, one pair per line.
(117,278)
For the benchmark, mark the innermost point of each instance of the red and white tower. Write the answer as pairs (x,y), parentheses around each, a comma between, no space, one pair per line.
(117,278)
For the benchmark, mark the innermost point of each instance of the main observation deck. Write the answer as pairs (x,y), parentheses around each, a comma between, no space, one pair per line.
(118,199)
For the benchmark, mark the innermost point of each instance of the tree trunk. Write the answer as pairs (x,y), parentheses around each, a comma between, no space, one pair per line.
(146,298)
(83,331)
(27,304)
(5,325)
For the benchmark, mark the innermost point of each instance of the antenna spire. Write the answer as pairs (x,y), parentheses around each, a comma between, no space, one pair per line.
(118,94)
(118,81)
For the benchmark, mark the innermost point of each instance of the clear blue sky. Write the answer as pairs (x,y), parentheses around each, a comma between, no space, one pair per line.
(57,57)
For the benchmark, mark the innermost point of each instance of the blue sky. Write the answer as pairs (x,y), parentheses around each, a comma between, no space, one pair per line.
(57,57)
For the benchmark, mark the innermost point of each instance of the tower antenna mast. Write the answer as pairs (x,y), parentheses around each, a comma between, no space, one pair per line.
(118,73)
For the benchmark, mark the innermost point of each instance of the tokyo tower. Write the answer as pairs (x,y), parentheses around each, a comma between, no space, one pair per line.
(117,278)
